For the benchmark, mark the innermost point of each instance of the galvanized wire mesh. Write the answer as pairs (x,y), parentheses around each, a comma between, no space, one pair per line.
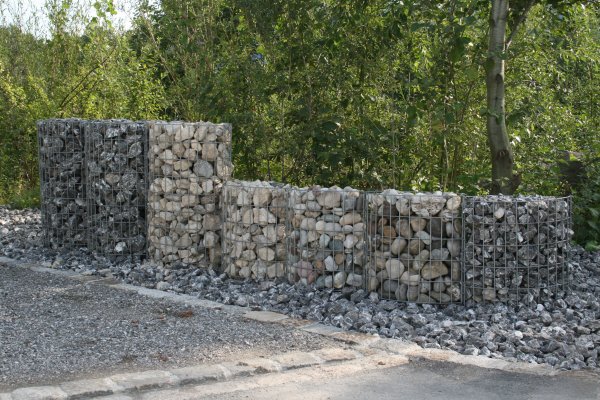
(116,187)
(94,178)
(326,246)
(515,248)
(414,246)
(62,183)
(254,229)
(188,164)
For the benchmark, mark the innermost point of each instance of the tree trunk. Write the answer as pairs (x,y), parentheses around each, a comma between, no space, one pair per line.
(503,180)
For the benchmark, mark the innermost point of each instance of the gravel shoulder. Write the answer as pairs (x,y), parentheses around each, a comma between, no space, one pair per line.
(54,329)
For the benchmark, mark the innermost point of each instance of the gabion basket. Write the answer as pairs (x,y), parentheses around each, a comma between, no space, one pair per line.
(254,229)
(117,171)
(516,248)
(326,246)
(188,164)
(62,183)
(414,246)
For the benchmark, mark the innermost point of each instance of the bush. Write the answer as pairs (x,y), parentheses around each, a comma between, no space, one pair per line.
(29,198)
(586,209)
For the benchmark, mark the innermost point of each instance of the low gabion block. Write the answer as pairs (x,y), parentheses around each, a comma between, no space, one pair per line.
(62,183)
(326,247)
(116,186)
(254,229)
(414,242)
(188,164)
(515,248)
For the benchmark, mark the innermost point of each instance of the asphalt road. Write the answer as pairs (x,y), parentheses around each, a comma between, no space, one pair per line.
(415,380)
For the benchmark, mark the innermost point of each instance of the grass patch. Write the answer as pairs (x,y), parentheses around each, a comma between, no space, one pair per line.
(29,198)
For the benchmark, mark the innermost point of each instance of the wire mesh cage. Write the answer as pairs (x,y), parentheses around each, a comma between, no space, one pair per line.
(116,187)
(188,164)
(326,245)
(254,229)
(516,248)
(414,243)
(62,183)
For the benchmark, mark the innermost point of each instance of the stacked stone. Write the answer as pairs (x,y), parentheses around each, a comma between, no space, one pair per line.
(516,249)
(62,182)
(326,245)
(116,186)
(254,229)
(414,246)
(188,164)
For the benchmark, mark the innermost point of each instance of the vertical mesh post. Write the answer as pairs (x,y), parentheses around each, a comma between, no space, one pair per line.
(62,183)
(116,186)
(327,245)
(414,246)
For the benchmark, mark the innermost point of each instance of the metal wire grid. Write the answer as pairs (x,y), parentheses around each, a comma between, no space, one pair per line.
(62,183)
(117,171)
(515,249)
(254,230)
(326,245)
(188,163)
(414,246)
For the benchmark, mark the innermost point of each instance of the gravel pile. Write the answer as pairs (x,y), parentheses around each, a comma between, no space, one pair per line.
(563,332)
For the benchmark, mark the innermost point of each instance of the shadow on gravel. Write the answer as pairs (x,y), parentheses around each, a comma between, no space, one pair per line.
(55,329)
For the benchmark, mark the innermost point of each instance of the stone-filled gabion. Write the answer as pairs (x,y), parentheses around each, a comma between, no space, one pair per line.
(326,246)
(516,248)
(116,183)
(414,246)
(188,164)
(254,229)
(62,183)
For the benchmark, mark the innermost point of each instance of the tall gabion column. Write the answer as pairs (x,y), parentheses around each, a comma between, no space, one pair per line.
(414,246)
(254,229)
(516,248)
(62,183)
(188,164)
(326,246)
(117,173)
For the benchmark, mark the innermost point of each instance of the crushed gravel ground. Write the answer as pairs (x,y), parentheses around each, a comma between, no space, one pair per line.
(54,329)
(562,331)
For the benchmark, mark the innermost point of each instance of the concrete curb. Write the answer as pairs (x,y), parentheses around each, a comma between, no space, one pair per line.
(363,345)
(137,382)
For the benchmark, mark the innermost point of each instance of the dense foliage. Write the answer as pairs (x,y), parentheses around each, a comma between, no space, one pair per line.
(380,93)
